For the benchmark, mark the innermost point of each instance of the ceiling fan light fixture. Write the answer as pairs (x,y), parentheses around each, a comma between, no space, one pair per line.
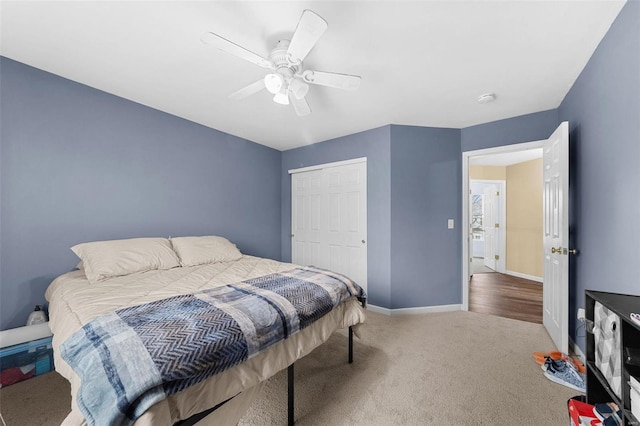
(281,98)
(298,88)
(273,82)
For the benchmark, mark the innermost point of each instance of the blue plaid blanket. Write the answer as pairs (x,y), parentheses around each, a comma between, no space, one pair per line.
(130,359)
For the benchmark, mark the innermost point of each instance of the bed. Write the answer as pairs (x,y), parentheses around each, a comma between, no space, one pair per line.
(82,296)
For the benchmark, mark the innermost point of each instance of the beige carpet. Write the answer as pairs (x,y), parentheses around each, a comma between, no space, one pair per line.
(456,368)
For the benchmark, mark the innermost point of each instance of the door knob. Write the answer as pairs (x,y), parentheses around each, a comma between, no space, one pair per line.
(556,250)
(363,241)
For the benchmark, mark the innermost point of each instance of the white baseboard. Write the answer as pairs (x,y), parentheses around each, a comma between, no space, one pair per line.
(414,311)
(525,276)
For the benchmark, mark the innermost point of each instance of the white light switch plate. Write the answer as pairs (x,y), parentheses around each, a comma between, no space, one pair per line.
(450,223)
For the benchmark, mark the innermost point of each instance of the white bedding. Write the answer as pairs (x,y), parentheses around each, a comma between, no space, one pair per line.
(73,302)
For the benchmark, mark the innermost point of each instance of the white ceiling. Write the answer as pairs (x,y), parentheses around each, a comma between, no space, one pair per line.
(422,63)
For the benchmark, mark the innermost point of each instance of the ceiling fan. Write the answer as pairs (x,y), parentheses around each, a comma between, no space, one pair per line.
(288,81)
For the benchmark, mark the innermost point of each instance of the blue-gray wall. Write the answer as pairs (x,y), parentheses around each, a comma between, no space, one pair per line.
(413,187)
(426,178)
(525,128)
(603,110)
(78,164)
(375,145)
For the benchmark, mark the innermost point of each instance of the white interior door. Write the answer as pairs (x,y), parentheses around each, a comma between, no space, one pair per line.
(489,223)
(556,237)
(329,219)
(307,205)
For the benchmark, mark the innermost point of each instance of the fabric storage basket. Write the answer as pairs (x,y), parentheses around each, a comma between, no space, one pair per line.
(25,360)
(635,396)
(606,333)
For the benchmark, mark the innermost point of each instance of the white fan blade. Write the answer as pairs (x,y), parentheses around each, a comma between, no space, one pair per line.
(300,106)
(331,79)
(309,30)
(248,90)
(232,48)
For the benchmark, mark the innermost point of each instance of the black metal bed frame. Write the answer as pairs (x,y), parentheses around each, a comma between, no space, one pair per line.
(290,388)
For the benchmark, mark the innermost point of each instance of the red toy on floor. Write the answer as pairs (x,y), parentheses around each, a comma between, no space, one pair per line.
(16,374)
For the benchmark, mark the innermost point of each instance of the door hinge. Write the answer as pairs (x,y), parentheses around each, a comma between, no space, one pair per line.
(497,257)
(497,193)
(497,225)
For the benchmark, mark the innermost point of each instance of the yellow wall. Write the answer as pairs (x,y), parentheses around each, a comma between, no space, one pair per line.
(524,218)
(488,172)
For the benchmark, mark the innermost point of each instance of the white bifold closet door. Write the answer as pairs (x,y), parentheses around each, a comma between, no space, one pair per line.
(329,218)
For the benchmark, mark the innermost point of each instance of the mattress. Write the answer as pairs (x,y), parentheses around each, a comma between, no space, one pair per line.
(73,302)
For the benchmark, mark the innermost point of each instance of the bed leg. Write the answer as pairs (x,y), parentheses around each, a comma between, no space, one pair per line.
(350,345)
(290,395)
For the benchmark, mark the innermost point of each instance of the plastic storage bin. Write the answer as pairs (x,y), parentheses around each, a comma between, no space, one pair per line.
(25,360)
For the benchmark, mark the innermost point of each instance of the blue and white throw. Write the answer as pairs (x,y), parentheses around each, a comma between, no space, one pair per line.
(130,359)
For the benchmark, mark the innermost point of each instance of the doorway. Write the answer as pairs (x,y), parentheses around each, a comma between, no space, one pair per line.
(555,235)
(505,234)
(487,199)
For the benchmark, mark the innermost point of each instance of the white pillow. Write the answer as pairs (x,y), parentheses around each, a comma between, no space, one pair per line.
(107,259)
(194,251)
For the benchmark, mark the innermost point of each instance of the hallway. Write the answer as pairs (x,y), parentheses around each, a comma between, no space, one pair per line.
(506,296)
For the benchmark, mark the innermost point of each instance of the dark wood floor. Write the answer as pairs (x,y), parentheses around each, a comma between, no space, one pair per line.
(506,296)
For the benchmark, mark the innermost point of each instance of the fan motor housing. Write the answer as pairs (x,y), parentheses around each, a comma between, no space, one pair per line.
(280,60)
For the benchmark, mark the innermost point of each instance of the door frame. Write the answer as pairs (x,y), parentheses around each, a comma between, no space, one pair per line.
(501,264)
(466,155)
(327,165)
